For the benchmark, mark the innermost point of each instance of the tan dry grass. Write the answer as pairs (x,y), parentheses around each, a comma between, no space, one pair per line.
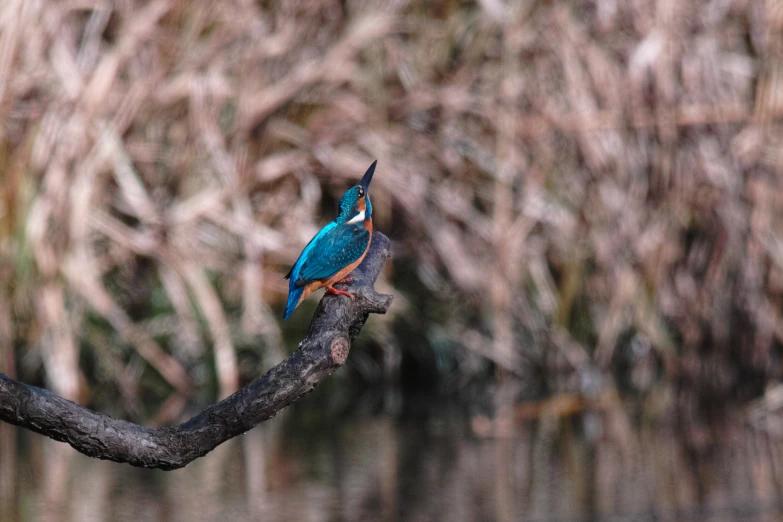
(571,171)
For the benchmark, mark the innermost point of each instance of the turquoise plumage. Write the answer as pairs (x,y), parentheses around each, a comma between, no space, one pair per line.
(337,249)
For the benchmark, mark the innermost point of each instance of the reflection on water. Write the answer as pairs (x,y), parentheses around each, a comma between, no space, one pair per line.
(440,465)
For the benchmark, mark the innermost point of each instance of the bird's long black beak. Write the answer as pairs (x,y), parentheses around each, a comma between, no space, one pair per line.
(367,178)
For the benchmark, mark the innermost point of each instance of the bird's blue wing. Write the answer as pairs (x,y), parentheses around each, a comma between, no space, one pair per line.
(293,274)
(332,251)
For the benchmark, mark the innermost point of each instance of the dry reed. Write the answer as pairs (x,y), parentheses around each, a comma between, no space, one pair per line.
(573,175)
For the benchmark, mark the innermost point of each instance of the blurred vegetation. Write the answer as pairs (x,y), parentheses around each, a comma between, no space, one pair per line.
(574,189)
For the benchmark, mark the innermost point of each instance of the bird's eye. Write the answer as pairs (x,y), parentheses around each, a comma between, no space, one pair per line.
(361,191)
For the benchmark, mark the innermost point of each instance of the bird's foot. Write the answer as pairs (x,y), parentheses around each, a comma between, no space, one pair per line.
(335,291)
(344,280)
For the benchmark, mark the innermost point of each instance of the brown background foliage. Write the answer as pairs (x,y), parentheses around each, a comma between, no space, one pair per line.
(562,180)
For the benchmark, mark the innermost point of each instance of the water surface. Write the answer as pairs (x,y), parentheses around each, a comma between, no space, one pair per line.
(439,463)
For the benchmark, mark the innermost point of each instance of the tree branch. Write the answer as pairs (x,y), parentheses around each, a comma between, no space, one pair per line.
(337,321)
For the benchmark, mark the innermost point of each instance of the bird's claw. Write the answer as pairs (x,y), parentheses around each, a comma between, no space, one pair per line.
(335,291)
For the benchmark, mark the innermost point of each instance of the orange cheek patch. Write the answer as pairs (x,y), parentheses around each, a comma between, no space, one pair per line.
(361,205)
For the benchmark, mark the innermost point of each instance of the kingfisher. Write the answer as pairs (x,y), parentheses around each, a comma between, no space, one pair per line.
(336,250)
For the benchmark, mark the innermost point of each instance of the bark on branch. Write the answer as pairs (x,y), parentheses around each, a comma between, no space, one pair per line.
(337,321)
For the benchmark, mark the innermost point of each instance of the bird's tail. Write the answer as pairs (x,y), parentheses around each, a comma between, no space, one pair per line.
(294,296)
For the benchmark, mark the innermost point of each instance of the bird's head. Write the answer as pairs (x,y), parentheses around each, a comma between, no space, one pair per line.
(355,206)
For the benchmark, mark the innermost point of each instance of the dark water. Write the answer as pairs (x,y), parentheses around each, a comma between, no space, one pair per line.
(548,462)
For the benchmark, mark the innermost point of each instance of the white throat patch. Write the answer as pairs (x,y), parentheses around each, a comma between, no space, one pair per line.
(359,217)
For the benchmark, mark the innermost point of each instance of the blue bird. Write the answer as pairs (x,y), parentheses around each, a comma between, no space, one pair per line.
(336,250)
